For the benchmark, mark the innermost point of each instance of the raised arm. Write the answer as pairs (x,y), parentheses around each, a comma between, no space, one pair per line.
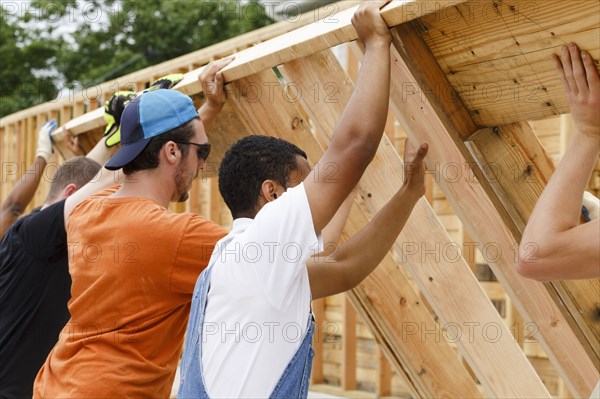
(14,205)
(360,128)
(554,246)
(211,79)
(104,179)
(345,268)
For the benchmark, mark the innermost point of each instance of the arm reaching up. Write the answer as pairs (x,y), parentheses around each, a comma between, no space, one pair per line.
(212,82)
(22,193)
(360,128)
(360,255)
(554,246)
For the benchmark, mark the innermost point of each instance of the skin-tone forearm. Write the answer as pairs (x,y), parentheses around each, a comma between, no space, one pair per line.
(562,196)
(361,254)
(333,231)
(14,205)
(554,246)
(367,110)
(213,86)
(360,128)
(101,153)
(208,112)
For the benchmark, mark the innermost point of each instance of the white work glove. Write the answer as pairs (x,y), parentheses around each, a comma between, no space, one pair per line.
(44,144)
(591,205)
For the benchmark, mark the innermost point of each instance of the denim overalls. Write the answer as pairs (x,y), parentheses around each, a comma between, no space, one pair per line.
(294,381)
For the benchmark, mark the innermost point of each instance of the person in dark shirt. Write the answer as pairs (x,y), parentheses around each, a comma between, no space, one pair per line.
(34,273)
(35,282)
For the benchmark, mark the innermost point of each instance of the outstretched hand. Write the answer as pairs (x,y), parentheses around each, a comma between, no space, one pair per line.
(578,73)
(370,25)
(414,170)
(212,82)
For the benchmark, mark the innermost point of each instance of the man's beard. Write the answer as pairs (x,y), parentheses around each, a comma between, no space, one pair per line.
(181,184)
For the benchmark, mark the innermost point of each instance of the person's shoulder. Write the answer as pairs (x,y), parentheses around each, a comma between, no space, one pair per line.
(196,222)
(292,201)
(107,191)
(55,210)
(84,205)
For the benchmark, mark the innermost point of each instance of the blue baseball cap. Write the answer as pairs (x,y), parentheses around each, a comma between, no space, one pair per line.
(150,115)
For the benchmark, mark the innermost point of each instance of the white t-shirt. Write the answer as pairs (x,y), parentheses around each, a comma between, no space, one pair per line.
(259,299)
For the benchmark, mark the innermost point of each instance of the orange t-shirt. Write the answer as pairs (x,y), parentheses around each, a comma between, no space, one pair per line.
(134,266)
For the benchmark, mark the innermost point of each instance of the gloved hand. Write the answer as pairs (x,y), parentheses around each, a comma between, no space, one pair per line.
(166,82)
(113,109)
(44,144)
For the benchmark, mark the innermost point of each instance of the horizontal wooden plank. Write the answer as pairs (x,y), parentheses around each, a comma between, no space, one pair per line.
(497,54)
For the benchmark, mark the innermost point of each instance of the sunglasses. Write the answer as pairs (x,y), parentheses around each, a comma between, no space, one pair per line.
(203,149)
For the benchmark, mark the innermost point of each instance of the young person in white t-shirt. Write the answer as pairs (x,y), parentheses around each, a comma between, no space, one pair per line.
(250,329)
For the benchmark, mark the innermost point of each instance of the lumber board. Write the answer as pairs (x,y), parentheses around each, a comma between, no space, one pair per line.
(225,130)
(318,307)
(444,269)
(386,299)
(496,54)
(383,382)
(349,346)
(422,120)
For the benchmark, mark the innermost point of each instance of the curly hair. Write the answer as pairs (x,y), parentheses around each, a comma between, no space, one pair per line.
(248,163)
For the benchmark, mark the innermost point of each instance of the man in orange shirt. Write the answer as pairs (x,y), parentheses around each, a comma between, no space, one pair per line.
(133,263)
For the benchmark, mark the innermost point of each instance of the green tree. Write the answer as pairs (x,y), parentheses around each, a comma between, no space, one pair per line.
(23,58)
(112,38)
(143,33)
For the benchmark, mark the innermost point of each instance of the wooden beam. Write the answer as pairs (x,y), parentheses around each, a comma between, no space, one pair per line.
(423,120)
(383,384)
(318,307)
(386,299)
(348,347)
(496,54)
(433,260)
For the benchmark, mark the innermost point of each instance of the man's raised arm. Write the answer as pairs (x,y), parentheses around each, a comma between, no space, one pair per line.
(361,125)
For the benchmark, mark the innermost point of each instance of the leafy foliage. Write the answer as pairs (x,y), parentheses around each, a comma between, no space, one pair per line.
(20,57)
(111,38)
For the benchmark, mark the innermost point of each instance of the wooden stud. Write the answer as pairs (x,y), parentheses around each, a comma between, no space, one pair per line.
(383,384)
(318,307)
(349,347)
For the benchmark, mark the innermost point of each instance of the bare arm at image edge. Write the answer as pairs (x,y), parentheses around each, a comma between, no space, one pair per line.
(554,245)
